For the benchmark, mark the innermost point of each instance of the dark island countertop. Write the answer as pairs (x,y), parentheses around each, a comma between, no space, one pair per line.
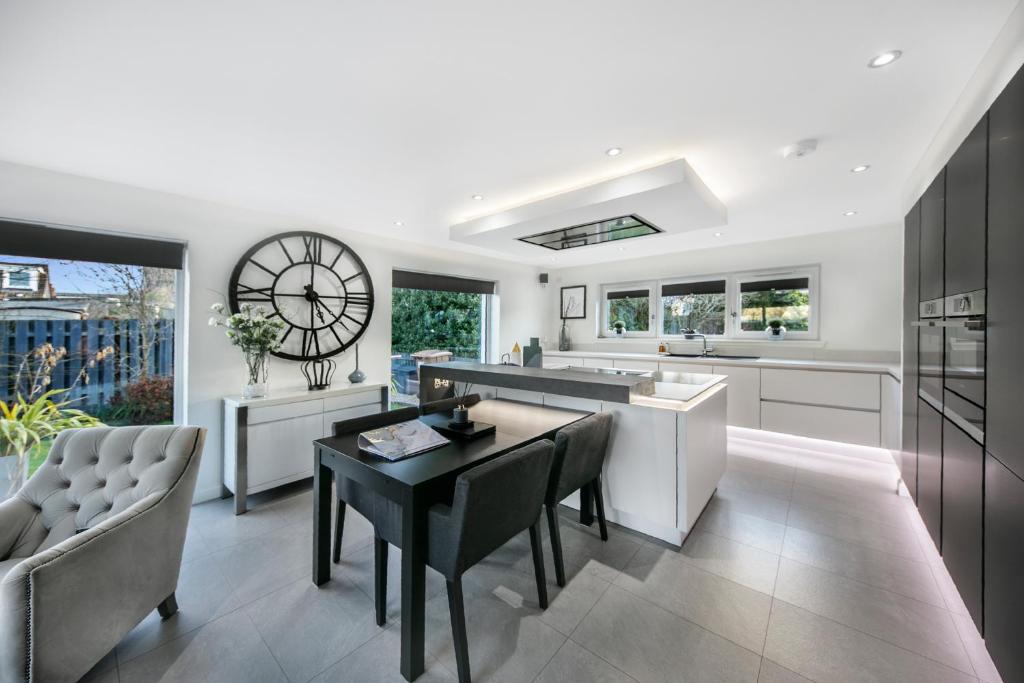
(600,387)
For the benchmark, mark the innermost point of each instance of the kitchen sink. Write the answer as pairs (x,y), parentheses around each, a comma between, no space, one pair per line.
(711,355)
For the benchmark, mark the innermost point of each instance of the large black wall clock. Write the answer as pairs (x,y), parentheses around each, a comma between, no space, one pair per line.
(319,287)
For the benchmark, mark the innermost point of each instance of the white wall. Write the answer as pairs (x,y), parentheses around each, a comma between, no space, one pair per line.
(861,272)
(217,235)
(1002,61)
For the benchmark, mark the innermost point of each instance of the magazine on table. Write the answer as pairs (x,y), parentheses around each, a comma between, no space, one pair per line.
(401,440)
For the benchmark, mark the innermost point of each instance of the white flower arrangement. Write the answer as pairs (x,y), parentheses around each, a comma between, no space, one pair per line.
(252,331)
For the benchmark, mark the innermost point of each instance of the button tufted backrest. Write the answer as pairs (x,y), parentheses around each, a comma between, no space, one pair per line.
(92,474)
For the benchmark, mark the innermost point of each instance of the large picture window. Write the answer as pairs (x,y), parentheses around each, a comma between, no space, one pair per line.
(87,328)
(435,318)
(729,306)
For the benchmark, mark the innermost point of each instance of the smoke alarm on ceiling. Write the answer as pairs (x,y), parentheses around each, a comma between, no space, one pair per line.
(800,149)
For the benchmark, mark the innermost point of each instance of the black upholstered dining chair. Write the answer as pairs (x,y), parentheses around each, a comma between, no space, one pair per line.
(493,502)
(374,507)
(580,450)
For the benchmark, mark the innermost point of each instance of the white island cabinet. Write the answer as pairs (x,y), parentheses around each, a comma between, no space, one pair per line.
(664,460)
(268,441)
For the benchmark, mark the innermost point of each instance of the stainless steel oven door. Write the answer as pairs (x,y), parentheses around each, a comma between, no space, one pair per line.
(965,346)
(930,352)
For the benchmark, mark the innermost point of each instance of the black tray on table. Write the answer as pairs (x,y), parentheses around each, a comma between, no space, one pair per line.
(473,430)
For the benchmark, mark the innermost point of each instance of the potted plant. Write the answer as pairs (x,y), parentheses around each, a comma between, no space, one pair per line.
(34,415)
(257,335)
(775,330)
(25,424)
(619,327)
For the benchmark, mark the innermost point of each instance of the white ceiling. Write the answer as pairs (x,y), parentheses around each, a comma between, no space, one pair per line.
(360,114)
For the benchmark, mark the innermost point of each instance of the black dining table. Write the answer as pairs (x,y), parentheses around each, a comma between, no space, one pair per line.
(416,483)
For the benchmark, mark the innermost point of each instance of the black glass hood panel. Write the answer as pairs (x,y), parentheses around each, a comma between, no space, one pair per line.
(612,229)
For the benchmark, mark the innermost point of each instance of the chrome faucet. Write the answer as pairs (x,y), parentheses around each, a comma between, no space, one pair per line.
(690,334)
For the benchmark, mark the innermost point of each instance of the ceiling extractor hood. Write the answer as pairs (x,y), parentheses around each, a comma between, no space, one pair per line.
(666,199)
(620,228)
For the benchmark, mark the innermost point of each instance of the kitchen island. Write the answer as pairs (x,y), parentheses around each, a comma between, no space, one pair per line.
(668,444)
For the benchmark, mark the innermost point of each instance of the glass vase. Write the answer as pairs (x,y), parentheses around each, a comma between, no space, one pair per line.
(257,386)
(564,343)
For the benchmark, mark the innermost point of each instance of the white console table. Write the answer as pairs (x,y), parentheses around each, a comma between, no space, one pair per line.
(268,441)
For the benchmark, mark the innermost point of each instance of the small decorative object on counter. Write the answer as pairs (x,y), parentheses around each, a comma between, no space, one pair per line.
(662,348)
(516,357)
(357,376)
(533,355)
(619,327)
(257,335)
(775,330)
(318,373)
(460,415)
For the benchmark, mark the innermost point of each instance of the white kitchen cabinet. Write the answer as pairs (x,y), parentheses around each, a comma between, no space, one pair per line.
(673,366)
(891,415)
(818,422)
(744,402)
(628,364)
(822,388)
(561,361)
(268,441)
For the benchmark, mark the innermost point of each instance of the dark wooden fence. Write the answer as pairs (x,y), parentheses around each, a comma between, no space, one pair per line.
(83,339)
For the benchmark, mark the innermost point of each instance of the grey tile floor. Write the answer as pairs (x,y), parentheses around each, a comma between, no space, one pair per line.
(805,566)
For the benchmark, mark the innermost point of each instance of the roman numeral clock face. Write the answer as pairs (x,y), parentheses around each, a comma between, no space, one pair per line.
(314,283)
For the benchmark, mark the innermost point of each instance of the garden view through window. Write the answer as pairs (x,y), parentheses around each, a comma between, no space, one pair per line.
(82,343)
(629,309)
(697,306)
(786,300)
(434,319)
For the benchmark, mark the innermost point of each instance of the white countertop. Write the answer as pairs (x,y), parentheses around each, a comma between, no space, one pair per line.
(301,393)
(779,363)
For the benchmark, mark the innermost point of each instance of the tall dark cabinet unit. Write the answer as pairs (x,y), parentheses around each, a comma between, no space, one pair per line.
(933,239)
(929,469)
(963,475)
(966,189)
(1004,432)
(929,421)
(1004,569)
(911,279)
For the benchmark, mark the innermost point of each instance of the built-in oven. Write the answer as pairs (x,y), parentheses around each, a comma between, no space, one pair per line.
(964,373)
(930,352)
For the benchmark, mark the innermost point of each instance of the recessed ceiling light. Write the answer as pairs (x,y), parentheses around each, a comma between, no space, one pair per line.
(718,234)
(399,223)
(849,213)
(622,249)
(859,169)
(885,59)
(613,152)
(477,197)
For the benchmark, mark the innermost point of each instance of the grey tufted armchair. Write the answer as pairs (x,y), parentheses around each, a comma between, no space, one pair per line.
(91,544)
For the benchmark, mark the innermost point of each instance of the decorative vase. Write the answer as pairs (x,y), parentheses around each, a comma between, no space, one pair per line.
(257,387)
(460,416)
(357,376)
(13,473)
(564,343)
